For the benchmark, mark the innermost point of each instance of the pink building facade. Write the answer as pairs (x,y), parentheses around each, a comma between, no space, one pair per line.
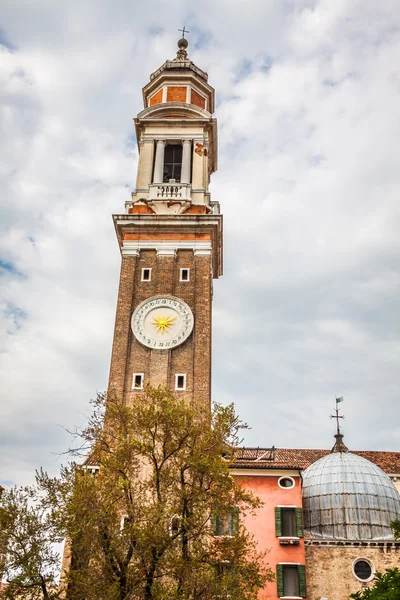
(277,527)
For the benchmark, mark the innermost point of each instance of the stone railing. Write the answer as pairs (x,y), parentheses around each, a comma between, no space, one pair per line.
(169,191)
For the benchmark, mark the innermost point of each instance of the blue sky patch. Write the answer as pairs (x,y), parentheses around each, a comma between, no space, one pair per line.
(7,266)
(4,41)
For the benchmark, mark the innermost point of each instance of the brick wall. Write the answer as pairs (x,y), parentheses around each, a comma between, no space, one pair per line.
(193,357)
(329,568)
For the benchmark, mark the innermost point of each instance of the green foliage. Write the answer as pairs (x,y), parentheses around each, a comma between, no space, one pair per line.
(395,525)
(28,535)
(140,528)
(386,587)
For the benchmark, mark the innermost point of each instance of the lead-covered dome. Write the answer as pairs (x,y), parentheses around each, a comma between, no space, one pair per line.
(346,497)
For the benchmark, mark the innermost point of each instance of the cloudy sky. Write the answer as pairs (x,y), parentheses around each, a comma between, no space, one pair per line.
(308,106)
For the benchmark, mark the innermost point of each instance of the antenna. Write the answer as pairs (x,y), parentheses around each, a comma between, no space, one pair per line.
(336,415)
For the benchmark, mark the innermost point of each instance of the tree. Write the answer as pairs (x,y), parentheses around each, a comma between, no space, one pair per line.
(29,534)
(396,528)
(386,587)
(141,526)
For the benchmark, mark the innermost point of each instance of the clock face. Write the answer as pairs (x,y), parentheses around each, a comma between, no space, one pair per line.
(162,322)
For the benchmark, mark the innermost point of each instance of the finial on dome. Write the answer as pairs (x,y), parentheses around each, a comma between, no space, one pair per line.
(182,45)
(339,445)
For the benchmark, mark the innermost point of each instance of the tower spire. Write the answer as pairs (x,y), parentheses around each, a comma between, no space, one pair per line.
(339,445)
(182,45)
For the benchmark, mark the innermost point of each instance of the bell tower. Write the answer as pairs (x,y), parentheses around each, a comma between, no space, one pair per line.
(170,239)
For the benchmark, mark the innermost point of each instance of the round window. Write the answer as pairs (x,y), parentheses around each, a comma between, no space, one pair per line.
(363,569)
(286,482)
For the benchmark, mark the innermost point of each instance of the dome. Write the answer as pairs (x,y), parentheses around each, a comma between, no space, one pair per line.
(346,497)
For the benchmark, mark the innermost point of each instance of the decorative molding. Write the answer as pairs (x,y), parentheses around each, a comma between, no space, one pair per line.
(169,248)
(166,251)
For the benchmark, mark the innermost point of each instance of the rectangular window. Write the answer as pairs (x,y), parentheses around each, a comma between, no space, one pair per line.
(291,580)
(226,525)
(146,274)
(288,522)
(93,469)
(184,275)
(137,381)
(172,162)
(180,382)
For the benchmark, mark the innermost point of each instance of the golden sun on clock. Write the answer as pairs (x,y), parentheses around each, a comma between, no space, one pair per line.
(162,322)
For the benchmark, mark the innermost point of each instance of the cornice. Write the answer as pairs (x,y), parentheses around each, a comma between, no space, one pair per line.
(156,224)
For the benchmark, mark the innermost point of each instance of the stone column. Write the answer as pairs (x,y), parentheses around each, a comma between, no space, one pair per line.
(159,164)
(185,174)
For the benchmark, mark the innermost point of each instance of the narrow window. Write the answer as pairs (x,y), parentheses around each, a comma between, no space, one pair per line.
(184,275)
(289,522)
(291,580)
(137,381)
(172,162)
(180,382)
(146,274)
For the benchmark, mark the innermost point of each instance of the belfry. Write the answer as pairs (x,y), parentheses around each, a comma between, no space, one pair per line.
(170,239)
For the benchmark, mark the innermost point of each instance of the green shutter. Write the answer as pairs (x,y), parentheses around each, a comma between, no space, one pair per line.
(213,524)
(235,520)
(278,521)
(302,580)
(279,580)
(299,521)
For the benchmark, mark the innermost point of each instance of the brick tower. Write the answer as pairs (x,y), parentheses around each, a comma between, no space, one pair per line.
(170,240)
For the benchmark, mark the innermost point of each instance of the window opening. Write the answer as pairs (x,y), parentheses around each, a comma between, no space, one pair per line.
(184,275)
(137,381)
(180,382)
(226,525)
(286,482)
(288,522)
(363,570)
(172,162)
(146,274)
(290,580)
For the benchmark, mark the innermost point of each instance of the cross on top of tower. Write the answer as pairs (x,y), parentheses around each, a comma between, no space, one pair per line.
(182,45)
(184,30)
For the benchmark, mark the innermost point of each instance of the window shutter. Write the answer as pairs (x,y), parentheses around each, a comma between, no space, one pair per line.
(213,524)
(299,521)
(278,521)
(279,580)
(235,520)
(302,580)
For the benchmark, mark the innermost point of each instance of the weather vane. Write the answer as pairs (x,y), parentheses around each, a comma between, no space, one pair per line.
(184,30)
(336,415)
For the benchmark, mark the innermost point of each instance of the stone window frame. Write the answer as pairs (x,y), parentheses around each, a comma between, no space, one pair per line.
(371,564)
(283,487)
(149,269)
(183,388)
(181,279)
(135,387)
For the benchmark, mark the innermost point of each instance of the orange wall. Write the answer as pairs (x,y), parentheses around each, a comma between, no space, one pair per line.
(262,525)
